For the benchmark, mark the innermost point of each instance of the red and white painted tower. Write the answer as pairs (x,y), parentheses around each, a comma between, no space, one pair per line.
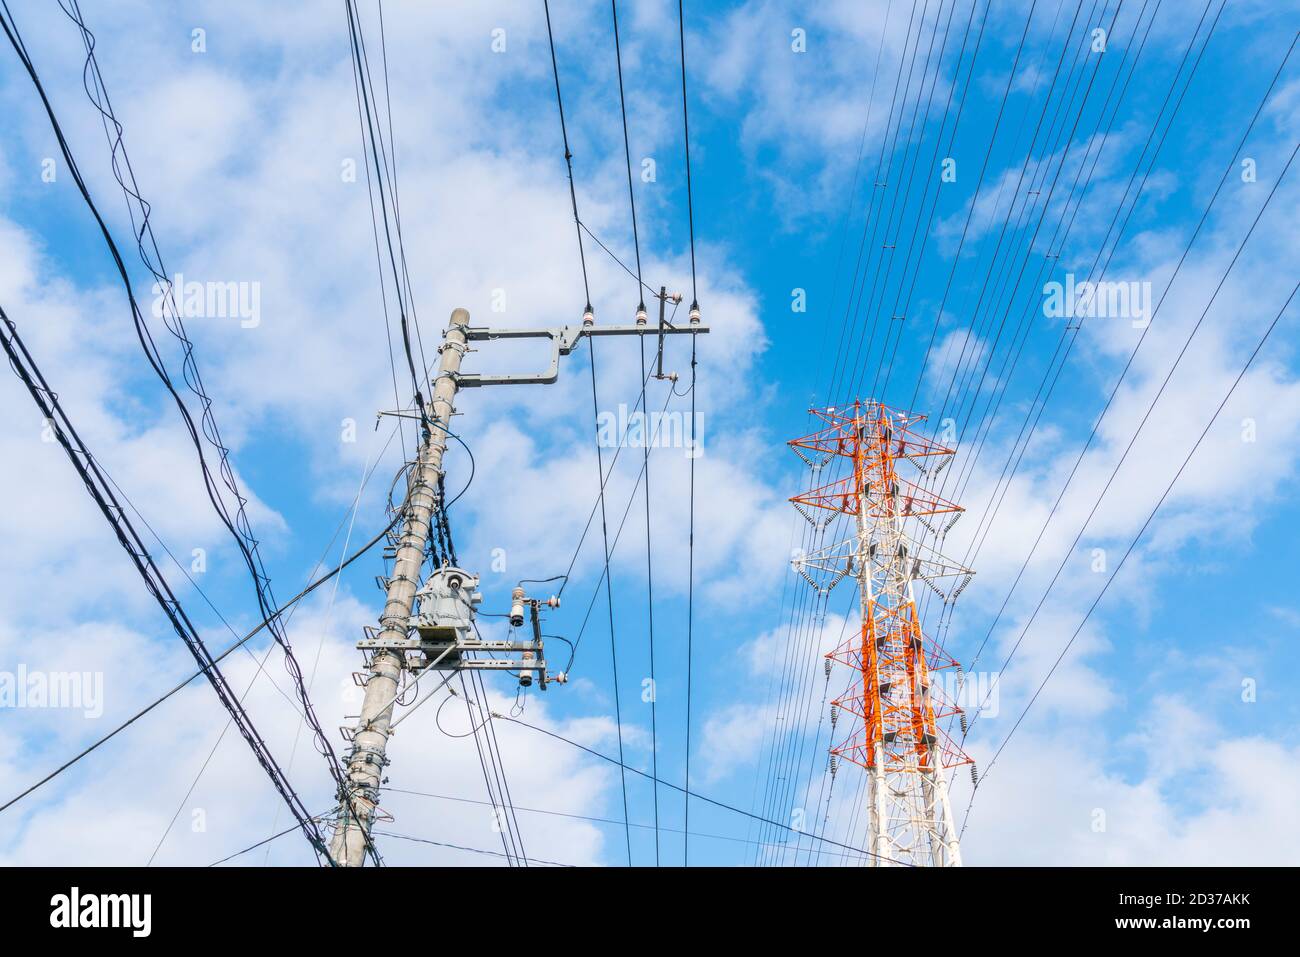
(897,704)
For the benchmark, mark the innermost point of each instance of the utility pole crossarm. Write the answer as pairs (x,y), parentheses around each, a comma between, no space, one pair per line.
(563,340)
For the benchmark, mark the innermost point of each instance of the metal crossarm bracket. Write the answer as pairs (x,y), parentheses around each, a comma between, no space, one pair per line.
(445,653)
(563,341)
(436,645)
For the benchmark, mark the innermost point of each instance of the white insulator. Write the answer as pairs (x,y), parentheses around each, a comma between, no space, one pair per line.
(695,313)
(835,714)
(827,666)
(517,607)
(642,317)
(588,317)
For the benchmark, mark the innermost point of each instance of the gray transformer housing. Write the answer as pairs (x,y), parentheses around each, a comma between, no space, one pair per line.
(446,604)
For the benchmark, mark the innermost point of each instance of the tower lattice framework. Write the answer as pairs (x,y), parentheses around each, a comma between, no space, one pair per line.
(894,701)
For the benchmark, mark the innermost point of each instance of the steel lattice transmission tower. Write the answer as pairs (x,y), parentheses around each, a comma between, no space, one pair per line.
(895,700)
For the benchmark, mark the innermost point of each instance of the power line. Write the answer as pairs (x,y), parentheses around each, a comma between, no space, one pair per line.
(202,671)
(92,476)
(1128,365)
(348,519)
(686,142)
(360,64)
(677,787)
(238,525)
(262,843)
(568,160)
(473,850)
(690,619)
(627,150)
(1133,544)
(605,820)
(650,600)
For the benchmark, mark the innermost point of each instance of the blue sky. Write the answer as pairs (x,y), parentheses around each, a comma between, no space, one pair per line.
(240,149)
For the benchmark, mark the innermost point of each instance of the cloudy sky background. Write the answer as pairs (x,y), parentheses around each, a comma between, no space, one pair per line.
(241,150)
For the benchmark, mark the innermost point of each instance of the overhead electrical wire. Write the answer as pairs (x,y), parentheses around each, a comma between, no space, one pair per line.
(396,259)
(473,850)
(1057,242)
(367,472)
(627,152)
(265,841)
(690,532)
(640,318)
(842,854)
(808,609)
(677,787)
(686,146)
(1068,336)
(650,612)
(237,524)
(568,161)
(92,476)
(1136,538)
(1115,389)
(200,673)
(1151,407)
(618,535)
(600,468)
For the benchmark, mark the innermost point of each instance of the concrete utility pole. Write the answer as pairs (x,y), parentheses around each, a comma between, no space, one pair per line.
(444,644)
(369,745)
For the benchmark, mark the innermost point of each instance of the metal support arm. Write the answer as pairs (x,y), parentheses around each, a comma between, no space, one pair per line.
(563,341)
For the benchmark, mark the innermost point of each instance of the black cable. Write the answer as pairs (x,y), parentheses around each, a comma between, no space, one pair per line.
(606,475)
(677,787)
(650,609)
(1133,544)
(690,619)
(261,843)
(1052,372)
(1114,391)
(614,256)
(568,156)
(843,855)
(238,526)
(600,468)
(609,594)
(507,836)
(359,62)
(618,536)
(216,659)
(1150,408)
(627,151)
(494,748)
(686,140)
(92,477)
(367,474)
(474,850)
